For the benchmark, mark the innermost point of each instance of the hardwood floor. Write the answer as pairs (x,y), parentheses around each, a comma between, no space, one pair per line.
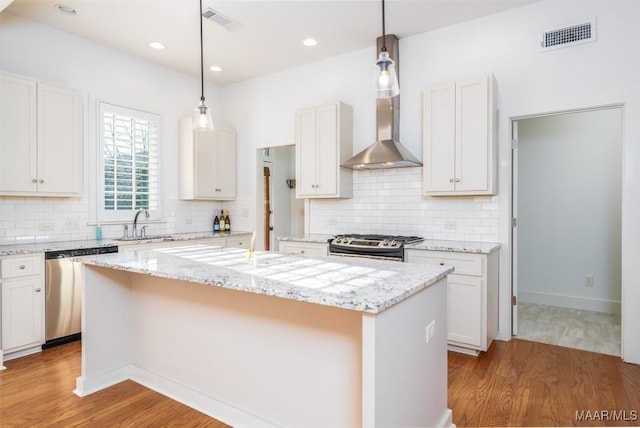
(35,391)
(516,383)
(522,383)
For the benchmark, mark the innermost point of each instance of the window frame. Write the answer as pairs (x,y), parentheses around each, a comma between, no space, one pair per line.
(122,216)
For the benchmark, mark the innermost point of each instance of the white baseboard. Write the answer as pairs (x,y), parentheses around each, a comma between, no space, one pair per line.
(210,406)
(446,420)
(86,386)
(573,302)
(22,353)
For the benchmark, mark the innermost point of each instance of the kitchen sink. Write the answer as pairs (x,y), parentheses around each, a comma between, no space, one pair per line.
(143,238)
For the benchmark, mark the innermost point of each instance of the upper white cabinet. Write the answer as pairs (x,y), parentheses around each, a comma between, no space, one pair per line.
(40,138)
(207,162)
(459,137)
(324,140)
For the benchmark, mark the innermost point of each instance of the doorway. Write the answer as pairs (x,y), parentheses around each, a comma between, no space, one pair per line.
(275,192)
(567,235)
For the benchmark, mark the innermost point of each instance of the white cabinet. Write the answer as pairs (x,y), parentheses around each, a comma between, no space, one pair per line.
(324,140)
(207,162)
(239,241)
(472,295)
(303,248)
(136,246)
(459,137)
(40,139)
(22,303)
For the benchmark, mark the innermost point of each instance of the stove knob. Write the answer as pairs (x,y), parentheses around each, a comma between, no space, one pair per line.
(394,244)
(385,243)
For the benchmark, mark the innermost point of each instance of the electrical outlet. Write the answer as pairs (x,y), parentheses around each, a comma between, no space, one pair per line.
(45,227)
(431,330)
(449,225)
(588,280)
(72,224)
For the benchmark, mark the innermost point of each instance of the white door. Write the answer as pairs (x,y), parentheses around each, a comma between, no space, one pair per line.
(306,152)
(514,229)
(327,161)
(225,162)
(439,137)
(204,163)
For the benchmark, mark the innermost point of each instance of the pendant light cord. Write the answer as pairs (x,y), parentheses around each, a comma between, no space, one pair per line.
(384,38)
(202,56)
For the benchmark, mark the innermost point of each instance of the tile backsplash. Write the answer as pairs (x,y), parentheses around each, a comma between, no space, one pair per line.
(390,201)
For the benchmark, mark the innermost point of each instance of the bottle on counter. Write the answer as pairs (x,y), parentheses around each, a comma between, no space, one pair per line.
(227,222)
(98,233)
(216,223)
(223,227)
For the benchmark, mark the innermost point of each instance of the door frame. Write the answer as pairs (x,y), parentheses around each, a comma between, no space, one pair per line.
(513,127)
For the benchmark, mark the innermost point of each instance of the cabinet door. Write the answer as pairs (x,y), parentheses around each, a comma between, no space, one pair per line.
(306,152)
(303,248)
(327,162)
(22,312)
(59,141)
(472,135)
(204,164)
(464,310)
(439,135)
(18,167)
(225,161)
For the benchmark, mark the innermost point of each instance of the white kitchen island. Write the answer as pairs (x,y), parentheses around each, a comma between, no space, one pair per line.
(271,340)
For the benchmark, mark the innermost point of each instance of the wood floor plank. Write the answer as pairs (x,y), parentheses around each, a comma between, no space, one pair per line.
(516,383)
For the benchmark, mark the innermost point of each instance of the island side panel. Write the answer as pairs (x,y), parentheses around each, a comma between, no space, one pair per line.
(106,332)
(285,362)
(404,377)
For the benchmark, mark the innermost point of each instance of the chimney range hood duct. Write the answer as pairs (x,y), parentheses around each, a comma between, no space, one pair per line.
(387,151)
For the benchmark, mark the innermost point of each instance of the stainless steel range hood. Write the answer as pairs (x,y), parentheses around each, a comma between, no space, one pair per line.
(387,151)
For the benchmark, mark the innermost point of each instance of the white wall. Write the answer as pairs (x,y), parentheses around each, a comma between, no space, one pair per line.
(529,82)
(569,209)
(44,53)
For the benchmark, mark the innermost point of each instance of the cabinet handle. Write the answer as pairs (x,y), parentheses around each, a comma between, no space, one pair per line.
(451,180)
(457,180)
(239,244)
(301,251)
(41,181)
(38,290)
(22,267)
(33,180)
(441,263)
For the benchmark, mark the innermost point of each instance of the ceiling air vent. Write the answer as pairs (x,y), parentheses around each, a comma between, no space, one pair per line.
(570,35)
(220,19)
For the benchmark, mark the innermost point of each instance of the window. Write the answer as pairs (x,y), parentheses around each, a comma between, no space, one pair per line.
(129,163)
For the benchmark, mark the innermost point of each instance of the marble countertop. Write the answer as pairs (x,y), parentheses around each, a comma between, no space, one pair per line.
(427,244)
(455,246)
(41,247)
(350,283)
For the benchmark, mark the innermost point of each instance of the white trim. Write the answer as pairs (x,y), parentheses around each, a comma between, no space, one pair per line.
(86,386)
(196,400)
(573,302)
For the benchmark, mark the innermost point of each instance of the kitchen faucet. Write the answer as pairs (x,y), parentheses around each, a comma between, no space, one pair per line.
(135,222)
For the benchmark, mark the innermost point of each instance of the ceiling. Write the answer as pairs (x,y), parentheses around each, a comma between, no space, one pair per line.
(268,39)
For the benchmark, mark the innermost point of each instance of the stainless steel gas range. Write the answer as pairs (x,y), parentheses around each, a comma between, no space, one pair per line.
(388,247)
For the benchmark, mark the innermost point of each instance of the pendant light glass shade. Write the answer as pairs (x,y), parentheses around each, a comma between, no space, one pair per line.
(202,117)
(386,78)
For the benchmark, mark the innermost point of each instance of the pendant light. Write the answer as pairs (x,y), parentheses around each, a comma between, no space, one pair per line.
(202,119)
(386,78)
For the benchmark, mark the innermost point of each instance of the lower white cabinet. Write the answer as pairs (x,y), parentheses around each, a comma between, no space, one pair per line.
(472,295)
(303,248)
(236,241)
(23,294)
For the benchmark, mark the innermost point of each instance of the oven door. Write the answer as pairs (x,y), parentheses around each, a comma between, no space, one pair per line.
(369,252)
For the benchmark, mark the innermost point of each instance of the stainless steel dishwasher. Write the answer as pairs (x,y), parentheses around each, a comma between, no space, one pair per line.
(63,294)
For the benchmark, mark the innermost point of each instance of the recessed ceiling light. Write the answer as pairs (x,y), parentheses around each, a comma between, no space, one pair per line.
(67,10)
(215,68)
(156,45)
(309,42)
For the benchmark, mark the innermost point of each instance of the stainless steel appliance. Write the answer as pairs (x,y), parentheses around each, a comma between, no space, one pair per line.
(387,247)
(63,294)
